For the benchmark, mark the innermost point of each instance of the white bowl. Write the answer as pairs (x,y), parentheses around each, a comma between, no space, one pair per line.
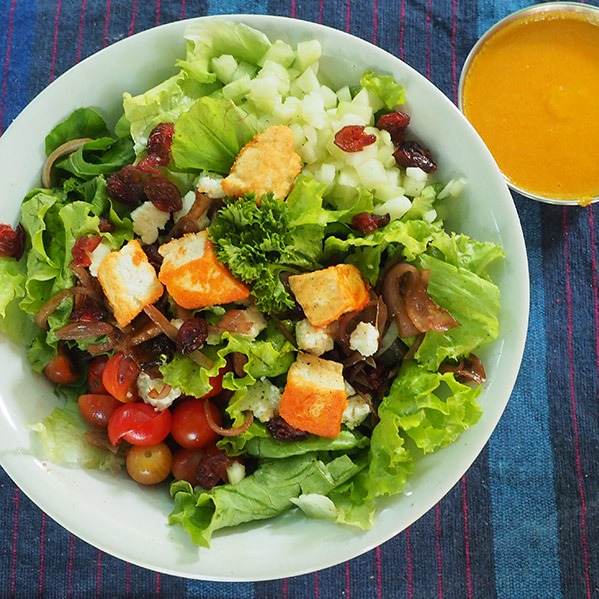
(129,522)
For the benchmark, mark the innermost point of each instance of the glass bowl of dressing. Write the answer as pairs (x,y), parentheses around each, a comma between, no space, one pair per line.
(530,87)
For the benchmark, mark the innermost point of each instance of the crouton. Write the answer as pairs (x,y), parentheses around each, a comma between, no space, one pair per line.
(268,163)
(314,397)
(194,277)
(129,282)
(326,294)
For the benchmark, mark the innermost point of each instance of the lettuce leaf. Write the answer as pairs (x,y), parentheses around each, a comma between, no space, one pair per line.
(385,87)
(472,300)
(264,494)
(210,135)
(431,408)
(62,439)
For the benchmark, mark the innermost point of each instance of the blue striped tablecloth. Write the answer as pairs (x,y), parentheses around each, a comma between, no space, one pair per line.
(524,521)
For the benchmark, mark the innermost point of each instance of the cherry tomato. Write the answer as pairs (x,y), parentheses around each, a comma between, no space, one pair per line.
(139,423)
(190,428)
(60,370)
(149,465)
(97,409)
(94,375)
(185,464)
(216,382)
(119,377)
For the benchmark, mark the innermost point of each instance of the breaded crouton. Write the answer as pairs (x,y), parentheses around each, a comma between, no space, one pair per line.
(194,277)
(326,294)
(268,163)
(129,282)
(314,397)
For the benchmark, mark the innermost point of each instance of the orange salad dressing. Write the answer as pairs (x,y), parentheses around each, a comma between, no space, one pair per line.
(532,93)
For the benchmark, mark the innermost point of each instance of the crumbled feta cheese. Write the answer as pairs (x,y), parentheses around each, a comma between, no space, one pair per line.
(147,221)
(364,339)
(153,391)
(263,399)
(356,411)
(315,340)
(102,250)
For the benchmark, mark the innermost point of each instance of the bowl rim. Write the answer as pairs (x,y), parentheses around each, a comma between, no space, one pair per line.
(546,7)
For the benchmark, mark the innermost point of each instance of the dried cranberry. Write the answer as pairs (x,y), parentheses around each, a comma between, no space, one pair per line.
(126,186)
(105,226)
(154,353)
(151,164)
(212,469)
(88,310)
(281,430)
(411,153)
(82,247)
(192,334)
(12,241)
(160,141)
(395,123)
(164,194)
(367,222)
(352,138)
(154,256)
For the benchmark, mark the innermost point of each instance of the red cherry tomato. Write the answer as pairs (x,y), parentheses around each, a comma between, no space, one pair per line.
(216,382)
(119,377)
(185,464)
(190,428)
(94,375)
(139,423)
(97,409)
(60,370)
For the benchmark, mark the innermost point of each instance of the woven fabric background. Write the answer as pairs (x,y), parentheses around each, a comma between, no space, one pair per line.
(524,521)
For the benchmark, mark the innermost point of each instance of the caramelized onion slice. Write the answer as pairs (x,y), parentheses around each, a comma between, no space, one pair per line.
(63,150)
(84,330)
(414,311)
(228,432)
(42,315)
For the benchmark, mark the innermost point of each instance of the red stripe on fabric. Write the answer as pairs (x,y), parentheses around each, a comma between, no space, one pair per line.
(316,586)
(321,11)
(106,23)
(157,19)
(573,407)
(80,34)
(379,572)
(428,38)
(70,565)
(15,542)
(131,29)
(127,579)
(347,581)
(55,40)
(157,583)
(595,284)
(409,566)
(439,552)
(348,15)
(375,21)
(466,537)
(11,15)
(99,573)
(293,9)
(454,46)
(285,588)
(183,7)
(402,28)
(42,569)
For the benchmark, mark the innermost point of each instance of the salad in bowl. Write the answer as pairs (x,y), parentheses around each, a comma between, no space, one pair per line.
(244,290)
